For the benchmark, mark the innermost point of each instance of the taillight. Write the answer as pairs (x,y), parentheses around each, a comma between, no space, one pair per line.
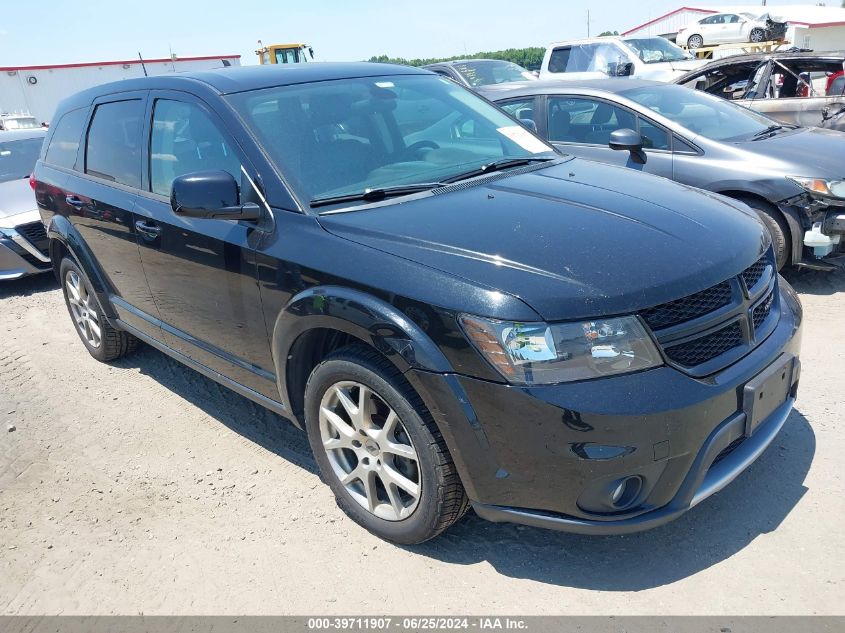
(32,181)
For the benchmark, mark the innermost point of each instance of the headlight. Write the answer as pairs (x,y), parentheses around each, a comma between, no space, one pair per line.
(541,353)
(832,188)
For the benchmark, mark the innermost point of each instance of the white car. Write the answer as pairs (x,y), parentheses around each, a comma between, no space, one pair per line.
(652,58)
(723,28)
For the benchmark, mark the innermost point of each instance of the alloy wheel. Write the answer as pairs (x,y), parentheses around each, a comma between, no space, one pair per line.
(757,35)
(696,41)
(82,305)
(370,450)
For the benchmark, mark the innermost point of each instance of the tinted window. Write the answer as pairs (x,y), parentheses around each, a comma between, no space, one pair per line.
(17,158)
(712,117)
(114,150)
(64,144)
(654,137)
(340,137)
(185,140)
(582,120)
(522,109)
(486,72)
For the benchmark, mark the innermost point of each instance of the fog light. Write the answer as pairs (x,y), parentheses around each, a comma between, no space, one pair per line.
(625,492)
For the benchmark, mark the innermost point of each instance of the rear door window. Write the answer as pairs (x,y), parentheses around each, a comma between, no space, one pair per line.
(64,144)
(113,150)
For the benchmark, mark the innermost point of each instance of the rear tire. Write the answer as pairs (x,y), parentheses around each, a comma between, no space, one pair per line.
(102,341)
(778,229)
(379,450)
(695,41)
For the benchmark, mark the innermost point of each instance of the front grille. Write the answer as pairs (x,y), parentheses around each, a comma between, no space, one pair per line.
(753,273)
(706,325)
(762,311)
(706,348)
(35,234)
(688,308)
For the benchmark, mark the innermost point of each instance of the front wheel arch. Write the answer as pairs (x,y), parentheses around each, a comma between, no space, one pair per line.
(781,222)
(346,315)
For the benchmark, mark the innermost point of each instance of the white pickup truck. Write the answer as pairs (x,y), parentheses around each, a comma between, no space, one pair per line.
(653,58)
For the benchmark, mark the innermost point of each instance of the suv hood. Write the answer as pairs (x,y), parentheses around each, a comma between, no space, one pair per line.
(16,197)
(810,152)
(578,239)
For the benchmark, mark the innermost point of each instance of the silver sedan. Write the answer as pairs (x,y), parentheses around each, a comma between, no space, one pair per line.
(793,177)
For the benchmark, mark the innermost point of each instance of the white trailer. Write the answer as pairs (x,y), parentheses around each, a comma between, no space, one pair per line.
(38,89)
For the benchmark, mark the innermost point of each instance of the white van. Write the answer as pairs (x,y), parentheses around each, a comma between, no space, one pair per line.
(652,58)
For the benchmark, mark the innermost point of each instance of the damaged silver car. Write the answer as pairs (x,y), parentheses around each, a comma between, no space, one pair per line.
(795,87)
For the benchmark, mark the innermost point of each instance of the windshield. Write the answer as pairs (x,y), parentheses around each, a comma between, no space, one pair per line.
(21,123)
(701,113)
(486,72)
(17,158)
(657,49)
(341,137)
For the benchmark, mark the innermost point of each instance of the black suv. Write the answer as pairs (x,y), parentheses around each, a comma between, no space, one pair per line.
(454,312)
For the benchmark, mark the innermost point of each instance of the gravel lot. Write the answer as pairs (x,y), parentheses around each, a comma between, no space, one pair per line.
(143,487)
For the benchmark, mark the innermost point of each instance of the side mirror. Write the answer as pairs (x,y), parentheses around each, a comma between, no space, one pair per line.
(620,69)
(628,140)
(212,195)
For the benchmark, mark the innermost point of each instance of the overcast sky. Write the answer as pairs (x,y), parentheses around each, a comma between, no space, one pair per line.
(66,31)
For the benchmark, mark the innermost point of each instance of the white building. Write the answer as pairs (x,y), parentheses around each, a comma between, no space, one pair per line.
(38,89)
(814,27)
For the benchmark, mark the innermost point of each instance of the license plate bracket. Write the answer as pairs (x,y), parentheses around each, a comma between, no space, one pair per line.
(767,391)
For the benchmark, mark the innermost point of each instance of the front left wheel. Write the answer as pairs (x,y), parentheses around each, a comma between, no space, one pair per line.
(757,36)
(378,448)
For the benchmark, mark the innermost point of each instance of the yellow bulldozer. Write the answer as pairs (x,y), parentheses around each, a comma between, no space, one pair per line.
(284,53)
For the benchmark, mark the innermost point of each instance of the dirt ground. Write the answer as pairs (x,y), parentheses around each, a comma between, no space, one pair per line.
(143,487)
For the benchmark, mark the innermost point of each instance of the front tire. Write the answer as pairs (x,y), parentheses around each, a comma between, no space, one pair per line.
(757,35)
(695,41)
(102,341)
(379,450)
(778,229)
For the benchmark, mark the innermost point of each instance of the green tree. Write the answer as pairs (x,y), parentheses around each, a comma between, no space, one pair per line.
(607,33)
(529,58)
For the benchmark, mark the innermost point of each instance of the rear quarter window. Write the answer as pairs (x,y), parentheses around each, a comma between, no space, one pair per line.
(113,150)
(64,143)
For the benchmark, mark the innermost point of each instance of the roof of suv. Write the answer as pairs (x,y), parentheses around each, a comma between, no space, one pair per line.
(243,78)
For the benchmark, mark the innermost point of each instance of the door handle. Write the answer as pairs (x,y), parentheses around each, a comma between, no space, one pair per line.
(75,202)
(148,229)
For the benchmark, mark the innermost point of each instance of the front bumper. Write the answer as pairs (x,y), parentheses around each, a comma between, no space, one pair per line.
(545,456)
(16,260)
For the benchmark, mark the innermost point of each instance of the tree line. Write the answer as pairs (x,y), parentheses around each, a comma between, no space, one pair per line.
(529,58)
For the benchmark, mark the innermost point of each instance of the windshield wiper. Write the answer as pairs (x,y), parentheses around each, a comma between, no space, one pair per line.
(377,193)
(769,130)
(498,165)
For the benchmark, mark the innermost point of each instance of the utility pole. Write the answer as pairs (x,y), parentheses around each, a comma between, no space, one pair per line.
(588,22)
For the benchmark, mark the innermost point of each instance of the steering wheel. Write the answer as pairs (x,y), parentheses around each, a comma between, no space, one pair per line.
(412,149)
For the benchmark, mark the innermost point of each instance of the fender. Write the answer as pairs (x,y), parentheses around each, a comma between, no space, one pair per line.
(796,230)
(358,314)
(61,230)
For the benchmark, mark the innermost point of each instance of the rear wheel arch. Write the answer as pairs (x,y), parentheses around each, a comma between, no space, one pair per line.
(65,241)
